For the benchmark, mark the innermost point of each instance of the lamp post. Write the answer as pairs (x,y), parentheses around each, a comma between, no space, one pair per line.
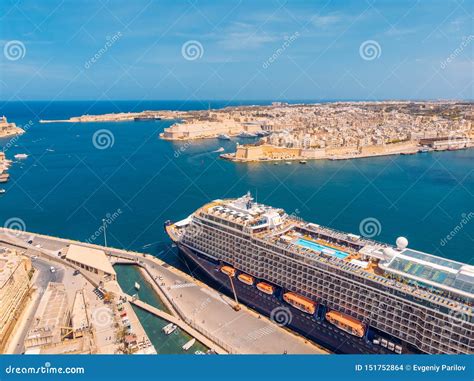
(105,234)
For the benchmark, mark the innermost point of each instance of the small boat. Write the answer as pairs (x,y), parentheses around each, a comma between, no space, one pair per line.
(2,190)
(266,288)
(189,344)
(303,161)
(245,134)
(227,270)
(223,137)
(137,286)
(169,329)
(49,150)
(346,323)
(221,149)
(288,162)
(300,302)
(20,156)
(199,353)
(247,279)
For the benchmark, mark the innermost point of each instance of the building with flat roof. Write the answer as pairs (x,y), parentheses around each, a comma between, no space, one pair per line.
(14,286)
(51,318)
(92,260)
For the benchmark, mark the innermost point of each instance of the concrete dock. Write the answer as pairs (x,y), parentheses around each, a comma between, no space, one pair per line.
(195,307)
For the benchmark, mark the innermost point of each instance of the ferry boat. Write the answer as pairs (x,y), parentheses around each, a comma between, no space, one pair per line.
(266,288)
(346,323)
(343,290)
(247,279)
(223,137)
(300,302)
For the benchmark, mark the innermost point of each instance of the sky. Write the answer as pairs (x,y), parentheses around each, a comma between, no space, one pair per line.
(236,50)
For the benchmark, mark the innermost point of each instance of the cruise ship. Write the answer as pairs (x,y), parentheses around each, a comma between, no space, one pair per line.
(343,291)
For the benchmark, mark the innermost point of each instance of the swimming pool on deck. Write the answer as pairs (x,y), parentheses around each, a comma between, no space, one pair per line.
(322,248)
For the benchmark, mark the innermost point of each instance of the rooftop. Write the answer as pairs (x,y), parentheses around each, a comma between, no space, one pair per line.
(9,262)
(51,313)
(90,257)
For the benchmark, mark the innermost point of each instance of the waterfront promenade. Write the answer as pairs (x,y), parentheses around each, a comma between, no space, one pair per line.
(201,311)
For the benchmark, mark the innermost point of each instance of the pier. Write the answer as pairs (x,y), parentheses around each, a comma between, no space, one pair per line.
(196,308)
(180,323)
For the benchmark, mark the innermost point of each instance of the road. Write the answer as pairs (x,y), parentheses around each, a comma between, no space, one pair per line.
(41,280)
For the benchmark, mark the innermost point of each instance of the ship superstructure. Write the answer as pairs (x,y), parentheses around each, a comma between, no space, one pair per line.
(370,290)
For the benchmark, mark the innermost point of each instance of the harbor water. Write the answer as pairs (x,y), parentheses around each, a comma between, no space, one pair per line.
(67,185)
(127,275)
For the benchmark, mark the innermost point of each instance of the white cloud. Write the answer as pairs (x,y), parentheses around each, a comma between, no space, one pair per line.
(324,21)
(245,36)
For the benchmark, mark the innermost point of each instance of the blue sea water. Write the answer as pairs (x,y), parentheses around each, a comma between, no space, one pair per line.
(67,186)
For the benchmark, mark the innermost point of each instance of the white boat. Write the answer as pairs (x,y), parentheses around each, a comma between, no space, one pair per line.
(137,286)
(189,344)
(2,191)
(245,134)
(20,156)
(199,353)
(169,329)
(221,149)
(223,137)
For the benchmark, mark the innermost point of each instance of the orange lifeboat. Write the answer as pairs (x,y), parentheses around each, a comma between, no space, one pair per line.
(266,288)
(247,279)
(227,270)
(346,323)
(300,302)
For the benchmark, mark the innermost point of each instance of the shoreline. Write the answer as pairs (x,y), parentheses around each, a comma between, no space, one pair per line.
(231,156)
(119,117)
